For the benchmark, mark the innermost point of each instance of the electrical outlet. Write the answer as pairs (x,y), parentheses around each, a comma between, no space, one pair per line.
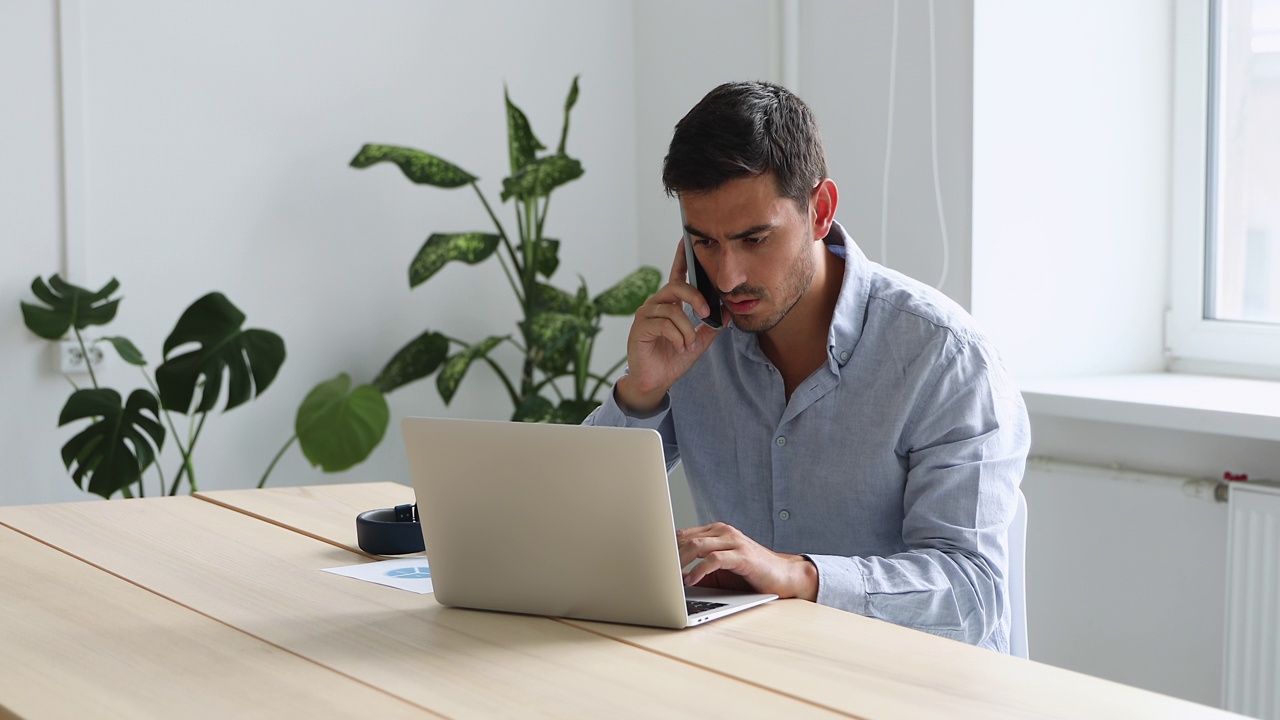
(72,360)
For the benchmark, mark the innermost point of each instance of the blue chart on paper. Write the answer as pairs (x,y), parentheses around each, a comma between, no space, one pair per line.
(410,572)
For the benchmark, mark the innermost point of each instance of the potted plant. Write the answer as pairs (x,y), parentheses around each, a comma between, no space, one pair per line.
(338,427)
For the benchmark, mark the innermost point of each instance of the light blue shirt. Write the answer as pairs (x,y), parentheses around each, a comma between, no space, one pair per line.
(894,467)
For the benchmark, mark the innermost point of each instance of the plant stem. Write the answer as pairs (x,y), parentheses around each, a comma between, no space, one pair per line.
(515,288)
(84,353)
(511,390)
(186,455)
(262,483)
(501,232)
(543,218)
(187,467)
(159,472)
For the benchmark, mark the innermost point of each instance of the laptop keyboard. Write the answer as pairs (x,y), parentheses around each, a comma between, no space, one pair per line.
(700,606)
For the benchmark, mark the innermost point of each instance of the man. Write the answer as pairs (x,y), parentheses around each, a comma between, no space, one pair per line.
(849,437)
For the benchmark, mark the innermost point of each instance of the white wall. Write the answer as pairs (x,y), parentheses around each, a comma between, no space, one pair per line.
(1071,143)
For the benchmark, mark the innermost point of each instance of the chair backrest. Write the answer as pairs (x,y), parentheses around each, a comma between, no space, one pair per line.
(1017,579)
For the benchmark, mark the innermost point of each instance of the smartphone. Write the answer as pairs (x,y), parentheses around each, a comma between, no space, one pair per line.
(698,277)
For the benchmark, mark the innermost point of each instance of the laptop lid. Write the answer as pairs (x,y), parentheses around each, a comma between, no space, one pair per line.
(560,520)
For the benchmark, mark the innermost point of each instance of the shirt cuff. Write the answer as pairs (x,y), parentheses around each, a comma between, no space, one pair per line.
(611,413)
(840,583)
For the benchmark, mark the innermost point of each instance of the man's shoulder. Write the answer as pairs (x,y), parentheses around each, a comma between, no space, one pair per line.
(900,304)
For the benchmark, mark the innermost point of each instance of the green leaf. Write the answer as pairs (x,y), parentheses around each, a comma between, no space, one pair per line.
(249,358)
(121,443)
(456,367)
(127,350)
(440,248)
(551,339)
(549,298)
(420,167)
(414,361)
(546,256)
(568,105)
(338,429)
(538,409)
(68,305)
(522,145)
(540,177)
(630,293)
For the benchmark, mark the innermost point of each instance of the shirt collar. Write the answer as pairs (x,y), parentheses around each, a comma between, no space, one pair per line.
(855,289)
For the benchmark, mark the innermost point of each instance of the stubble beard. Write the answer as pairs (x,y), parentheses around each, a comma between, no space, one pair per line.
(797,283)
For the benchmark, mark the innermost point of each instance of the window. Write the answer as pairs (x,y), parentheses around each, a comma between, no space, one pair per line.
(1225,292)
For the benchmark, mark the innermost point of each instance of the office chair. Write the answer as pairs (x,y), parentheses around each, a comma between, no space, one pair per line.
(1017,580)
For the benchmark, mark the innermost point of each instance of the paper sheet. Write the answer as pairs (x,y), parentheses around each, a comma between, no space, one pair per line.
(410,574)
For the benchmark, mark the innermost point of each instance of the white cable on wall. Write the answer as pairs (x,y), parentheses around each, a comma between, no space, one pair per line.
(888,142)
(933,144)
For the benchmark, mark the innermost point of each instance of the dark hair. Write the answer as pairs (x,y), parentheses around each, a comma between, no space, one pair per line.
(746,129)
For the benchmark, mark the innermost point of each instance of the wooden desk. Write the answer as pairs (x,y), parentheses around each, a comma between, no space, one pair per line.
(214,606)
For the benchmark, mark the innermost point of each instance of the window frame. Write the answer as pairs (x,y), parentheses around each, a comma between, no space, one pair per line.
(1192,342)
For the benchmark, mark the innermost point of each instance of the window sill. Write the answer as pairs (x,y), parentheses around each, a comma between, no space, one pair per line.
(1195,403)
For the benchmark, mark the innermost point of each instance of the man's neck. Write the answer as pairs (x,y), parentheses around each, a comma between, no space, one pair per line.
(798,344)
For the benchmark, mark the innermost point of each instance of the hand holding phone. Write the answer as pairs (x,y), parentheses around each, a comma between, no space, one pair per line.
(699,279)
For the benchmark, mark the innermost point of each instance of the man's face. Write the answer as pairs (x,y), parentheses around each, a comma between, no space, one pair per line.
(756,246)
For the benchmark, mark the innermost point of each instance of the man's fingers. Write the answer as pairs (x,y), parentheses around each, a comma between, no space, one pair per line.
(719,560)
(669,322)
(692,548)
(679,266)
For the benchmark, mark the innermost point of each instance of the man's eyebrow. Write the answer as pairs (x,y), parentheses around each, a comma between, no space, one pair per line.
(755,230)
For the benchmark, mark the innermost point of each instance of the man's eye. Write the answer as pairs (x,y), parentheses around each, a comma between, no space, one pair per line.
(701,242)
(754,240)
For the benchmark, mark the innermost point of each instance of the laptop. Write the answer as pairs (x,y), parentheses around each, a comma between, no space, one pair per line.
(559,520)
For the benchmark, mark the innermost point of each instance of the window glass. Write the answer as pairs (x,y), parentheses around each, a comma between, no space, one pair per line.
(1242,269)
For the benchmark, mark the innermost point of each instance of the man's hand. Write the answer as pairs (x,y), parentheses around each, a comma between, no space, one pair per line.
(663,343)
(733,561)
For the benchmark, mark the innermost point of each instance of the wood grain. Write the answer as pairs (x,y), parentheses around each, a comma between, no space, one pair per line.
(266,581)
(325,512)
(79,642)
(839,660)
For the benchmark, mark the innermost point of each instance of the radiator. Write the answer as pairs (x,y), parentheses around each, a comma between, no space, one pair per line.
(1251,680)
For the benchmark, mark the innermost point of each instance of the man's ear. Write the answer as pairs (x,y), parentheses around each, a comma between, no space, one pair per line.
(825,199)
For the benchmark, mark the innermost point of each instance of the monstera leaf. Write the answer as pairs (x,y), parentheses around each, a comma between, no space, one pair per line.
(121,443)
(456,367)
(630,293)
(69,305)
(440,248)
(414,361)
(538,409)
(338,427)
(420,167)
(250,358)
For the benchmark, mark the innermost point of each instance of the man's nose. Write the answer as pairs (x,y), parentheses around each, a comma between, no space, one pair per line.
(732,269)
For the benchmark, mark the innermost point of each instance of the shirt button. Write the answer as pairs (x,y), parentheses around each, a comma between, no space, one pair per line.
(784,515)
(844,355)
(781,441)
